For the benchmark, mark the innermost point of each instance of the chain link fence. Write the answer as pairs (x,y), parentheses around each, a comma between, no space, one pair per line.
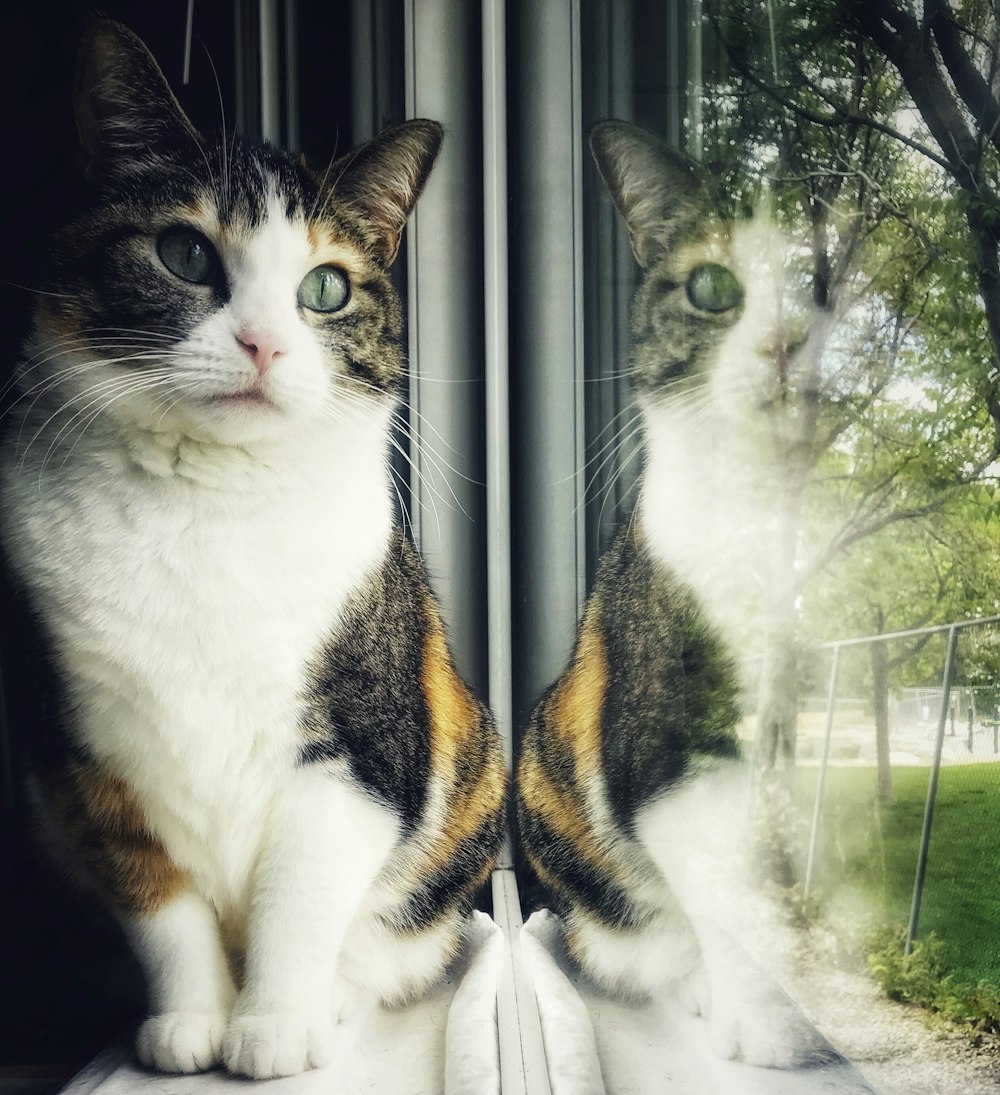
(901,759)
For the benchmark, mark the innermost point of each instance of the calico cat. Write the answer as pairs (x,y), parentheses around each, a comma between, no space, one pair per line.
(257,745)
(650,697)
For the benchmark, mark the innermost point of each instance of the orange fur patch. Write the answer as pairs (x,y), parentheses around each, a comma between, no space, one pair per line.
(201,215)
(329,249)
(101,820)
(563,812)
(457,731)
(574,709)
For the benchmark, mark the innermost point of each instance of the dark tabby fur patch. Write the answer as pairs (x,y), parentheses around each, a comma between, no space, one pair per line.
(402,743)
(649,693)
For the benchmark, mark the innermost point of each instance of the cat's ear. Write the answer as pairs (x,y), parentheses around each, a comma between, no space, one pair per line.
(122,101)
(651,185)
(384,178)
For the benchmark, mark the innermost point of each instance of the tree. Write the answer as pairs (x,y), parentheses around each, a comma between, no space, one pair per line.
(893,414)
(949,63)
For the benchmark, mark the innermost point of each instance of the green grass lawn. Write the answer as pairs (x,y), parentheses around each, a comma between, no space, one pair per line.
(868,857)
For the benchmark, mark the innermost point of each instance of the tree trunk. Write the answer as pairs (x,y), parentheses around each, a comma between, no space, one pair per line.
(880,692)
(775,806)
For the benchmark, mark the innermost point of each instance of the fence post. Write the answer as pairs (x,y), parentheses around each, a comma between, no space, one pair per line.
(831,701)
(925,836)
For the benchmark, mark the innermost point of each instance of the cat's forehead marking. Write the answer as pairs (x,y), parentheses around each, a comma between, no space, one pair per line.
(201,213)
(331,247)
(313,241)
(715,246)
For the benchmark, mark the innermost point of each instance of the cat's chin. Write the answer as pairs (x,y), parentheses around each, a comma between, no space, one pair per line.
(239,420)
(249,401)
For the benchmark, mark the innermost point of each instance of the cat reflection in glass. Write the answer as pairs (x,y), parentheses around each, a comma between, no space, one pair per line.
(257,745)
(650,699)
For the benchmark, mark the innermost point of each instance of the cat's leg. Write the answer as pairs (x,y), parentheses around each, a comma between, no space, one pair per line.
(397,965)
(191,992)
(92,814)
(635,962)
(326,842)
(691,835)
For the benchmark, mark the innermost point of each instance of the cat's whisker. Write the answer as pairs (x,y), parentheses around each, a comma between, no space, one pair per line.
(117,387)
(618,375)
(39,292)
(108,383)
(322,183)
(404,513)
(419,439)
(442,379)
(421,444)
(19,377)
(49,382)
(612,442)
(615,453)
(619,472)
(402,418)
(419,477)
(341,414)
(53,383)
(676,396)
(165,382)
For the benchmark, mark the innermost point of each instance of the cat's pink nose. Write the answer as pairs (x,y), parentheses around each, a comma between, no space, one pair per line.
(262,348)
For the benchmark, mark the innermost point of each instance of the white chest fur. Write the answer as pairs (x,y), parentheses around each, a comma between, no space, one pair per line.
(187,602)
(707,507)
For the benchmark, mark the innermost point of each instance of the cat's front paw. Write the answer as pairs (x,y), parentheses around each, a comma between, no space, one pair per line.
(693,992)
(181,1041)
(276,1044)
(768,1031)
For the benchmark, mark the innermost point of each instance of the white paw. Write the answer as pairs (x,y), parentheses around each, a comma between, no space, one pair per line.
(276,1044)
(768,1031)
(181,1041)
(693,992)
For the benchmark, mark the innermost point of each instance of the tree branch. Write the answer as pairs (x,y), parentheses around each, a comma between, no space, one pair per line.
(969,83)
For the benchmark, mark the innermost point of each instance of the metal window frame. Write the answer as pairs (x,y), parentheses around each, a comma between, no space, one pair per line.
(547,390)
(445,316)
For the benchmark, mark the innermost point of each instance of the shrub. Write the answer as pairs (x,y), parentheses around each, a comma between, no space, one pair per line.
(923,977)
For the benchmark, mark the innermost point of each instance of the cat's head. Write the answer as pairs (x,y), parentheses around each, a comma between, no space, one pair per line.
(722,302)
(215,285)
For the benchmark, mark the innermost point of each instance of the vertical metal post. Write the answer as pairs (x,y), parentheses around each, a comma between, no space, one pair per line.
(292,75)
(372,70)
(546,130)
(499,590)
(609,283)
(676,46)
(246,51)
(445,316)
(925,836)
(831,701)
(270,68)
(523,1065)
(696,91)
(188,33)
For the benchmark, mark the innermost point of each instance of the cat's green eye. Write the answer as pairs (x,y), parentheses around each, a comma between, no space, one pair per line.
(188,255)
(713,288)
(324,289)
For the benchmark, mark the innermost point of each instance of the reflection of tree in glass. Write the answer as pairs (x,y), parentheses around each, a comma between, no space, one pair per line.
(902,248)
